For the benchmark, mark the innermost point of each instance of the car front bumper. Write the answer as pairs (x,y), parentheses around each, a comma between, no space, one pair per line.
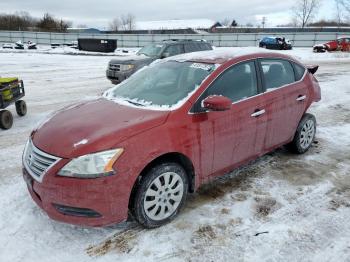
(117,76)
(85,202)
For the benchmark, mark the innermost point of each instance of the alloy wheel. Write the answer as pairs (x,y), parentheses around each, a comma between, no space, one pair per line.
(163,196)
(307,134)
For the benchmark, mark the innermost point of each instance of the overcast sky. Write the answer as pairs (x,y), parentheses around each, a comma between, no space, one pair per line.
(98,13)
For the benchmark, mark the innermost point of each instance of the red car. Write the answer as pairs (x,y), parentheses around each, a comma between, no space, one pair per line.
(169,128)
(341,44)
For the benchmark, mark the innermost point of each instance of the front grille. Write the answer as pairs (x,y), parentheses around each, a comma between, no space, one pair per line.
(37,162)
(114,67)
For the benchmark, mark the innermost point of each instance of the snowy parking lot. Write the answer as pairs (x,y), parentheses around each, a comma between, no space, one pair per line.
(281,207)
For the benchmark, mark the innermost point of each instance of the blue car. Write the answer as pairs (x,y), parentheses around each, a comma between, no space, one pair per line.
(277,43)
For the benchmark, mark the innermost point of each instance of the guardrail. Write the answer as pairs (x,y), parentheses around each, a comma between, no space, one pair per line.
(131,40)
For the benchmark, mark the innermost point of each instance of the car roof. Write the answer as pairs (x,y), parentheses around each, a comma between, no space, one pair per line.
(173,41)
(224,54)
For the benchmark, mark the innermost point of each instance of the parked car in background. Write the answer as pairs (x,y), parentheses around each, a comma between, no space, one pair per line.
(277,43)
(171,127)
(121,68)
(341,44)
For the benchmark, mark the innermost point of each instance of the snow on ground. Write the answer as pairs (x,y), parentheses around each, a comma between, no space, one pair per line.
(282,207)
(66,50)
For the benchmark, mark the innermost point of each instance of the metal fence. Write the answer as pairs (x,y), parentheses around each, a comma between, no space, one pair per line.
(138,40)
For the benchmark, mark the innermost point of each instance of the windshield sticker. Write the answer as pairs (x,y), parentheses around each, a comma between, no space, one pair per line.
(159,45)
(205,67)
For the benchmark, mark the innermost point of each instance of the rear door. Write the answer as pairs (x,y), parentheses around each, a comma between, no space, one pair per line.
(286,98)
(239,133)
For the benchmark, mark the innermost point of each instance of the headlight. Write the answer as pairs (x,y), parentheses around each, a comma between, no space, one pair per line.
(92,165)
(126,67)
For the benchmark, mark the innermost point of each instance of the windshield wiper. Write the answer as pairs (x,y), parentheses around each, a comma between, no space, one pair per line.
(134,103)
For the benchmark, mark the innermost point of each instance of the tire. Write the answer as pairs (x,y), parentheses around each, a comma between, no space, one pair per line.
(304,135)
(21,108)
(6,119)
(160,195)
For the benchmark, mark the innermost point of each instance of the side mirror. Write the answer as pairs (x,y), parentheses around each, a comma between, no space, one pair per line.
(217,103)
(165,55)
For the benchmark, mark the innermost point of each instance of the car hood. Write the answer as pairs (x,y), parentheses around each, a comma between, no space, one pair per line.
(93,126)
(130,59)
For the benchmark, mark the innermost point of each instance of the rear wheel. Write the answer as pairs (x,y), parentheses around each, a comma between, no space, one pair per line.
(305,135)
(6,119)
(160,195)
(21,108)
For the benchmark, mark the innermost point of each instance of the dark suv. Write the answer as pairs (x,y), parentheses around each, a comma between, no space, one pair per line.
(121,68)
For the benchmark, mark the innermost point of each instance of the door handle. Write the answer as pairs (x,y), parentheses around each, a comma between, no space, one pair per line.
(258,113)
(301,98)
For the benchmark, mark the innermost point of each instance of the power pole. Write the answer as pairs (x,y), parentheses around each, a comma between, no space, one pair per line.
(263,21)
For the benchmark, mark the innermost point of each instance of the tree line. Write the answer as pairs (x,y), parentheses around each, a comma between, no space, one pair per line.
(23,21)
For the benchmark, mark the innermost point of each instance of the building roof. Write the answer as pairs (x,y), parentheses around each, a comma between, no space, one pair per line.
(174,24)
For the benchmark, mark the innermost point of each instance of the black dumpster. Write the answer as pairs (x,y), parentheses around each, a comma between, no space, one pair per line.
(97,45)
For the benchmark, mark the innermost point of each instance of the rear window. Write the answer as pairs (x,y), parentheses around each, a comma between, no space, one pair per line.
(299,71)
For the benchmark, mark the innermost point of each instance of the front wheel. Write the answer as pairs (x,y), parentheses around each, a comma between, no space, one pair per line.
(160,195)
(305,135)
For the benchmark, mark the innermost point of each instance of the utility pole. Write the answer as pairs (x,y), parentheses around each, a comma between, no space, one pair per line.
(263,21)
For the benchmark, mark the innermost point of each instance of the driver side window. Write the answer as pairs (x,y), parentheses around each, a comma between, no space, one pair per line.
(236,83)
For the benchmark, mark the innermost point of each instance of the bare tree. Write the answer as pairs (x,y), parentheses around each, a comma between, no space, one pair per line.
(128,22)
(49,23)
(226,22)
(115,24)
(305,11)
(345,5)
(17,21)
(339,13)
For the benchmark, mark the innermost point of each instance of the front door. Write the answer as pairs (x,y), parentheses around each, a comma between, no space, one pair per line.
(238,133)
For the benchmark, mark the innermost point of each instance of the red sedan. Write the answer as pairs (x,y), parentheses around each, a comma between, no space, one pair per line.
(169,128)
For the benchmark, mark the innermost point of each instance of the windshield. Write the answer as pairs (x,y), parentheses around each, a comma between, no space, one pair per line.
(152,50)
(163,84)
